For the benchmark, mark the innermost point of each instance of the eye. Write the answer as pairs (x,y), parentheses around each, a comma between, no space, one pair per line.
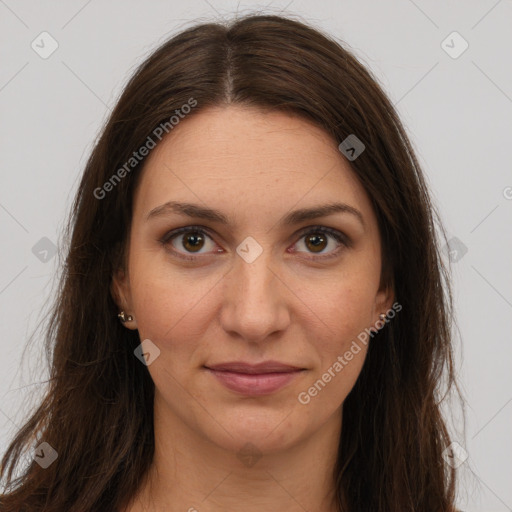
(316,239)
(192,239)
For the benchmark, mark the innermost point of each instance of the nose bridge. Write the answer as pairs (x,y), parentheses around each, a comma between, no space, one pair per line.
(256,278)
(253,303)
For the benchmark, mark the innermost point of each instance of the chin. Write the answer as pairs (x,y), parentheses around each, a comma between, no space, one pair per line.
(259,430)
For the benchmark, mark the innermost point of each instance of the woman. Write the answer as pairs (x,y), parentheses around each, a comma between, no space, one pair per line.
(254,312)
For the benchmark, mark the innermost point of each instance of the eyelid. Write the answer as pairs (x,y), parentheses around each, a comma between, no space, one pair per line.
(170,235)
(342,239)
(339,236)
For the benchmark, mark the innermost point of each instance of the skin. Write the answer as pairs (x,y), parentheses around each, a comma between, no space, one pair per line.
(255,168)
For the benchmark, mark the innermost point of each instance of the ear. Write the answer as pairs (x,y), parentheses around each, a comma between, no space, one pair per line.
(383,301)
(121,294)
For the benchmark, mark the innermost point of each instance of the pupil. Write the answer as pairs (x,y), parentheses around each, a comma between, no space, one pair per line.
(316,241)
(196,241)
(193,242)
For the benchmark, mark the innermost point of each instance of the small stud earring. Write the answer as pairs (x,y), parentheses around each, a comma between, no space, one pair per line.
(382,316)
(124,318)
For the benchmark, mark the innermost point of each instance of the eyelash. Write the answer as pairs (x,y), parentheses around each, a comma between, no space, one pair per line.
(337,235)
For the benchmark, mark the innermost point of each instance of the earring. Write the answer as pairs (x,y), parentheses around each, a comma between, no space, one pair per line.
(122,316)
(382,316)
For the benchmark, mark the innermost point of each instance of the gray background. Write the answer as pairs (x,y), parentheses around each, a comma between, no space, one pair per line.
(458,112)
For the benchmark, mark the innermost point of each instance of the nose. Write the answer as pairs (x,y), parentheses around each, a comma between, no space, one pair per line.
(254,300)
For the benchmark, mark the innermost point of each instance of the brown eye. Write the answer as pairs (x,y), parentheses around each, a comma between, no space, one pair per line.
(188,241)
(193,242)
(316,242)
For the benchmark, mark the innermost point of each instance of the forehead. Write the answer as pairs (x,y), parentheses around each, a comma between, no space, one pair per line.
(244,158)
(258,140)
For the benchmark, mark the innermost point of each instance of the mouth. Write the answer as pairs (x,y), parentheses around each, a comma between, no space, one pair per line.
(254,379)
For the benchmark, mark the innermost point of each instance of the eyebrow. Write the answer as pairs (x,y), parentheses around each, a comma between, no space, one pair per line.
(295,217)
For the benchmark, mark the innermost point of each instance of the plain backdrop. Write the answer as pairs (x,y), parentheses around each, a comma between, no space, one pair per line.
(453,92)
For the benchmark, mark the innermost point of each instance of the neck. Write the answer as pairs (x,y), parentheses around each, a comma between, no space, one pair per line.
(191,473)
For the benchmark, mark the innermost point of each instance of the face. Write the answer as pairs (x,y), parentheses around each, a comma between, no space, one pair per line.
(245,276)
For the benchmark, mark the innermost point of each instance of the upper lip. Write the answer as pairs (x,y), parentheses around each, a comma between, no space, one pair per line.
(264,367)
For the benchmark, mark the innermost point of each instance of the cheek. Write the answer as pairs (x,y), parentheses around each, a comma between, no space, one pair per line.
(340,354)
(345,307)
(340,309)
(172,309)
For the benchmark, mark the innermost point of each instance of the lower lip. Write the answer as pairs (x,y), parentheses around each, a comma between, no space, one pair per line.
(254,384)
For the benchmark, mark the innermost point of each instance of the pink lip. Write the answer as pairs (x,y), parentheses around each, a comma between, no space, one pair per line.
(254,379)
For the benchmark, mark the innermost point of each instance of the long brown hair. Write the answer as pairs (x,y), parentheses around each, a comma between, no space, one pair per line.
(97,412)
